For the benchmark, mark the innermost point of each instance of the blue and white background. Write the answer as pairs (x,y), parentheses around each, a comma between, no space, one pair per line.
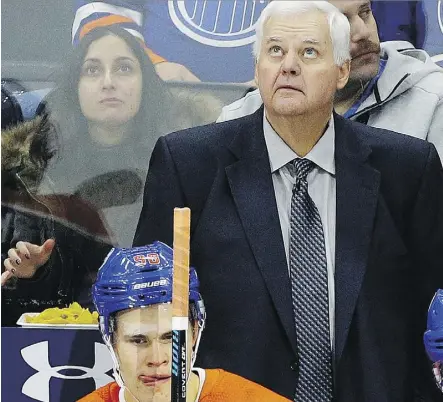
(213,37)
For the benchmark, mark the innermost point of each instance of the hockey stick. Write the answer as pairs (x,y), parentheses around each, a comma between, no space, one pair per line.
(180,303)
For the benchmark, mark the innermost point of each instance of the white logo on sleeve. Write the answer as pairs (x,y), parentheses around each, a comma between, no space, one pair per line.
(37,356)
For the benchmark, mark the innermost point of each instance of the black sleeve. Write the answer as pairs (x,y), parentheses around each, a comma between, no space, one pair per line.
(162,194)
(426,240)
(426,228)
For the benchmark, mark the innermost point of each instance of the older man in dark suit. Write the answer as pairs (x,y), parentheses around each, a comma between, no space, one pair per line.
(318,241)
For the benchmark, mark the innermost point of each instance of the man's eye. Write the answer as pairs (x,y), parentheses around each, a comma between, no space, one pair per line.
(310,53)
(138,341)
(275,51)
(365,14)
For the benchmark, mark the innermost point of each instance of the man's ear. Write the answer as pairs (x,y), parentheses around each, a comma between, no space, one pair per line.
(343,74)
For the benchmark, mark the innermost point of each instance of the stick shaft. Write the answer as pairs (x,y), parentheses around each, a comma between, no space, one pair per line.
(180,303)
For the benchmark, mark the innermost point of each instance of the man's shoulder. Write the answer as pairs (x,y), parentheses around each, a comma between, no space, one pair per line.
(413,66)
(221,385)
(381,140)
(392,140)
(244,106)
(393,147)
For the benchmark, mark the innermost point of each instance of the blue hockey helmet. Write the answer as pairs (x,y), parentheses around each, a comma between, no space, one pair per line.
(433,337)
(138,277)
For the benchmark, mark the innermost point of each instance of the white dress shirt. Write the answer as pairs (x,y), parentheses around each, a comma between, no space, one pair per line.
(321,188)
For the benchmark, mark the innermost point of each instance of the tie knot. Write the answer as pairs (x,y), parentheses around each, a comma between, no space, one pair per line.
(299,168)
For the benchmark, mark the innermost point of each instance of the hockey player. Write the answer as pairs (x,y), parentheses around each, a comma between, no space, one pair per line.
(133,294)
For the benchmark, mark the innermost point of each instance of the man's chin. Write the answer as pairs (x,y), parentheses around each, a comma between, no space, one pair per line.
(364,69)
(150,394)
(361,77)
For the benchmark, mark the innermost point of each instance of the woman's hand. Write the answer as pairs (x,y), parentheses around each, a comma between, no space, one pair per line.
(26,258)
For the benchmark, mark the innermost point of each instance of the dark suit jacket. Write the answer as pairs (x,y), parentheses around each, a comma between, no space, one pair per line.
(389,253)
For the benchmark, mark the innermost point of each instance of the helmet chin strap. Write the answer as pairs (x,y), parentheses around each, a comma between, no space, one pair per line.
(201,326)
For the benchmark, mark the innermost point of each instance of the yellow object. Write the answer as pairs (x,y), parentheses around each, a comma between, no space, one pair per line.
(74,314)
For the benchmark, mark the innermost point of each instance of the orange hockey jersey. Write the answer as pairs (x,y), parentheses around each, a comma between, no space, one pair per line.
(219,386)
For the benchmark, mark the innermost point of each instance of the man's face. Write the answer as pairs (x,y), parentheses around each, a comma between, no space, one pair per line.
(142,343)
(295,70)
(365,43)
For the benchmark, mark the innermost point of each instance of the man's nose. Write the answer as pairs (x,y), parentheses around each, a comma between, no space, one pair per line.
(158,354)
(290,64)
(359,30)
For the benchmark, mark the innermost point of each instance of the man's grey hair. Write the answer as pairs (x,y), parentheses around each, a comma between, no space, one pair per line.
(339,27)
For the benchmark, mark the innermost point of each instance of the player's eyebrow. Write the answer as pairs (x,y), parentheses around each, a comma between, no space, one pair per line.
(135,335)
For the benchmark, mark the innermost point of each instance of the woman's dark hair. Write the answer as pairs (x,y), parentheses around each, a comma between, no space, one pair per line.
(63,103)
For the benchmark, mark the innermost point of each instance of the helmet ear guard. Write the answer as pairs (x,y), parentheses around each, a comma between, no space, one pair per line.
(433,337)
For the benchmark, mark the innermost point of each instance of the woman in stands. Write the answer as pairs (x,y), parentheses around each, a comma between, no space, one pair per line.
(110,107)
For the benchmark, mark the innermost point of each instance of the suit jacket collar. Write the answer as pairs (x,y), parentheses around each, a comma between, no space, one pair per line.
(357,184)
(249,141)
(253,192)
(357,193)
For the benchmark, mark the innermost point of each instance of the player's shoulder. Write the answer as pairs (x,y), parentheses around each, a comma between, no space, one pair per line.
(107,393)
(222,385)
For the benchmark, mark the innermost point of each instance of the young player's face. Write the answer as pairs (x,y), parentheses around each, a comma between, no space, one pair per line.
(142,343)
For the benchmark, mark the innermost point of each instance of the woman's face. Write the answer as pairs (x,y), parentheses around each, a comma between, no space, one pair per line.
(110,85)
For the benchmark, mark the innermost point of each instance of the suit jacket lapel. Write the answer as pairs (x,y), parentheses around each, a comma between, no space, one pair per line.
(253,192)
(357,193)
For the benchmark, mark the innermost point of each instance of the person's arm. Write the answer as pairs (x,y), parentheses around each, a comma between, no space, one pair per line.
(435,133)
(425,231)
(425,240)
(162,194)
(426,228)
